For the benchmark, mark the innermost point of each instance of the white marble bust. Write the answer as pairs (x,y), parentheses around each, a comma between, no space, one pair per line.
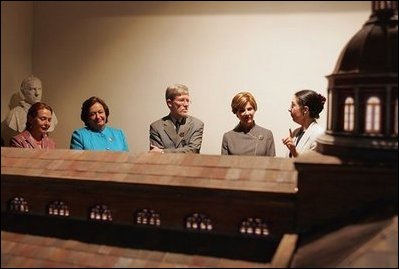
(31,89)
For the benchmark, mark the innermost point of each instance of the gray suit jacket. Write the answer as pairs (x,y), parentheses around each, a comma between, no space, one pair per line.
(257,142)
(189,139)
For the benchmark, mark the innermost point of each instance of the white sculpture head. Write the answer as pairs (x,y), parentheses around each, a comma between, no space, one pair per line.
(31,88)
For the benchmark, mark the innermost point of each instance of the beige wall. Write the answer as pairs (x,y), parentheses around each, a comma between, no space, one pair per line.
(128,52)
(16,52)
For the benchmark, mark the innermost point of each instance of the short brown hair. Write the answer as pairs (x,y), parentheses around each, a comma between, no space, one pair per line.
(84,115)
(241,99)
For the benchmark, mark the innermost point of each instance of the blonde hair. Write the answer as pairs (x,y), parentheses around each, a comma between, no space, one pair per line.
(241,99)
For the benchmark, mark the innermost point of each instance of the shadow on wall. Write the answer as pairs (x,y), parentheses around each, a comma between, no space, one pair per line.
(7,132)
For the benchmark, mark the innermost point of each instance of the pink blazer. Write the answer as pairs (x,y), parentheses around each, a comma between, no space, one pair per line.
(25,140)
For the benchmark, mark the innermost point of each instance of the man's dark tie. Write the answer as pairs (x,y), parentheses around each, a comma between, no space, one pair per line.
(177,126)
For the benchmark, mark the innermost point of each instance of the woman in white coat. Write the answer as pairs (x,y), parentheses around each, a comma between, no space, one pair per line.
(305,108)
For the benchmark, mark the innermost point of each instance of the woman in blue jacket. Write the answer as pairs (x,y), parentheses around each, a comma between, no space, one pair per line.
(97,135)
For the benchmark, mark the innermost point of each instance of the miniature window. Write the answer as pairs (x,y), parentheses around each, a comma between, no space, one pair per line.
(58,208)
(198,221)
(19,204)
(373,115)
(254,226)
(100,213)
(396,117)
(349,114)
(148,217)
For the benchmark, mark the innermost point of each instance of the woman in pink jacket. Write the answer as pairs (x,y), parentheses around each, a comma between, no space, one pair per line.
(35,135)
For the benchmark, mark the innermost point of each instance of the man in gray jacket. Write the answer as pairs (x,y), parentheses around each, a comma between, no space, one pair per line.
(176,132)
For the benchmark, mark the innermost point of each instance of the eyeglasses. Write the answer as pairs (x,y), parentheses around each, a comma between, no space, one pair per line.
(182,101)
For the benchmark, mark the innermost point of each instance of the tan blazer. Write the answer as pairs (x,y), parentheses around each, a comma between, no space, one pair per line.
(189,139)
